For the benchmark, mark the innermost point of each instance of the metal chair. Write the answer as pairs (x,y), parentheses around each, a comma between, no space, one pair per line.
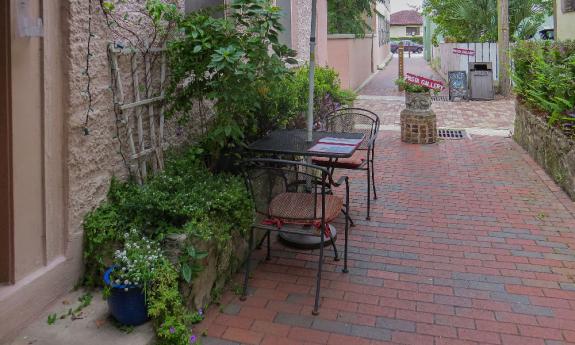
(294,197)
(355,120)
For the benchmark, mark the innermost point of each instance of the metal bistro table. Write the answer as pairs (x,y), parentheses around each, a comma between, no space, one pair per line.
(294,142)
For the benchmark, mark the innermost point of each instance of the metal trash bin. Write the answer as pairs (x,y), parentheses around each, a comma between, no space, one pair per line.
(481,81)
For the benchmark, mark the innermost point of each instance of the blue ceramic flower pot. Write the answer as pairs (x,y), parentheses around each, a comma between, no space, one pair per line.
(126,303)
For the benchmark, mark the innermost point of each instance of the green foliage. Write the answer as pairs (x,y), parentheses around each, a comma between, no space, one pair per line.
(409,87)
(102,230)
(476,20)
(328,94)
(190,263)
(185,198)
(136,263)
(544,77)
(349,16)
(52,319)
(172,320)
(236,63)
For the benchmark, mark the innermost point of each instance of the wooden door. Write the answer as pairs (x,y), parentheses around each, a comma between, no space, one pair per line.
(6,228)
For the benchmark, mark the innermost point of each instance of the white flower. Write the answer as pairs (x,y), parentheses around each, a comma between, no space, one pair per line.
(126,289)
(126,282)
(118,281)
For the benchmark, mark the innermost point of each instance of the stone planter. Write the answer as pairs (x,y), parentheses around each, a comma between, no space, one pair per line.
(418,101)
(418,121)
(548,146)
(219,266)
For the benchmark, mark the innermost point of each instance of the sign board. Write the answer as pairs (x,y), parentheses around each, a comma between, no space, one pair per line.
(430,83)
(457,85)
(461,51)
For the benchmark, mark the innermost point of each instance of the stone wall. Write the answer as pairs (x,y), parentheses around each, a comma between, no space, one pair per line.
(549,147)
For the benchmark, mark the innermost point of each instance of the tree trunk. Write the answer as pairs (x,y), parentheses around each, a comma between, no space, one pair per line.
(503,45)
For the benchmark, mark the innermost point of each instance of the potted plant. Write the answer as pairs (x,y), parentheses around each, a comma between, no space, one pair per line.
(129,277)
(417,97)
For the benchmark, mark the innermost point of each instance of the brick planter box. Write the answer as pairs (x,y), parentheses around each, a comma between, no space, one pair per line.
(549,147)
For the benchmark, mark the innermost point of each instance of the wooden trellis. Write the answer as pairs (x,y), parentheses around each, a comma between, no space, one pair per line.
(143,112)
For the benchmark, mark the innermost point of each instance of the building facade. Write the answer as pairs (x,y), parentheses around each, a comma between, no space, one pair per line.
(564,19)
(59,145)
(408,23)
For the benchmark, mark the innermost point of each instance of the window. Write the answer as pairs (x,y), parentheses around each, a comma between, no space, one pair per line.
(412,31)
(383,27)
(568,5)
(194,5)
(285,35)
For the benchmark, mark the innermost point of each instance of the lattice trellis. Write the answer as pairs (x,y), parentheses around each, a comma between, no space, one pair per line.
(141,114)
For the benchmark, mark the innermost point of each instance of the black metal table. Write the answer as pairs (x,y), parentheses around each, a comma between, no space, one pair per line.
(294,142)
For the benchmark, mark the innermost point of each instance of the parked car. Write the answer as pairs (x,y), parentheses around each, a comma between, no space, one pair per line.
(408,46)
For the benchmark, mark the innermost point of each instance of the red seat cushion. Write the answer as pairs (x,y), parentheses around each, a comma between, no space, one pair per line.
(352,162)
(298,208)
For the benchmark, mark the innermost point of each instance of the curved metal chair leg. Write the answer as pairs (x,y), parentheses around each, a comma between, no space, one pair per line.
(336,256)
(268,256)
(373,174)
(247,266)
(348,217)
(345,270)
(318,282)
(368,188)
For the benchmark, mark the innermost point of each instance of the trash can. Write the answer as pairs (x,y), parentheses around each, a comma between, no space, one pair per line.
(481,81)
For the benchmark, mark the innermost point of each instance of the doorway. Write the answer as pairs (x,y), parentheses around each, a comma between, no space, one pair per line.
(6,223)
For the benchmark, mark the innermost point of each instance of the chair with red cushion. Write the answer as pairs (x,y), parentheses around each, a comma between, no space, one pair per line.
(294,197)
(355,120)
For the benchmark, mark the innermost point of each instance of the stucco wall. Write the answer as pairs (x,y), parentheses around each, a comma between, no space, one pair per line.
(352,58)
(565,25)
(60,173)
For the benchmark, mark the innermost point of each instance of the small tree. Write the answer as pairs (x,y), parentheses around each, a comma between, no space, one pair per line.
(476,20)
(349,16)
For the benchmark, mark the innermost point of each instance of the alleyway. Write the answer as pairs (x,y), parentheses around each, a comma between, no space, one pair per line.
(383,84)
(469,243)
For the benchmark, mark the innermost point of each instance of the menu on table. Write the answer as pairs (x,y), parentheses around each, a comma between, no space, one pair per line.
(340,141)
(331,148)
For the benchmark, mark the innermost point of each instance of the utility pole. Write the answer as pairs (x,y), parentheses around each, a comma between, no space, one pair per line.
(503,46)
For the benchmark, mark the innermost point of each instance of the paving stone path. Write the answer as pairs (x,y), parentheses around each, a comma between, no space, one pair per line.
(469,243)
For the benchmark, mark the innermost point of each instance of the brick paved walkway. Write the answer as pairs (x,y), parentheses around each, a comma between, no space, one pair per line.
(499,114)
(469,243)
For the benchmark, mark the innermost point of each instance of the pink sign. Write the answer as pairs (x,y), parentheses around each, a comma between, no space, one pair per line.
(430,83)
(461,51)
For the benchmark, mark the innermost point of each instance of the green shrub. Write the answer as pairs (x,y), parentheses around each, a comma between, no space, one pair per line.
(186,198)
(544,78)
(234,62)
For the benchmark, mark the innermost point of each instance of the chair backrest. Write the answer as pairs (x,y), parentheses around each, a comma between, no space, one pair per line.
(268,178)
(354,120)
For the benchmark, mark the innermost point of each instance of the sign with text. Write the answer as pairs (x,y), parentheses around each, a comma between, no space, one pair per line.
(430,83)
(461,51)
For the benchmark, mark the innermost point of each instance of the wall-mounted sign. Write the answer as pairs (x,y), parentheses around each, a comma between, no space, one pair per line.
(430,83)
(461,51)
(457,85)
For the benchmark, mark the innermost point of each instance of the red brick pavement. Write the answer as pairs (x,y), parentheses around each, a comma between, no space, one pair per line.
(469,243)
